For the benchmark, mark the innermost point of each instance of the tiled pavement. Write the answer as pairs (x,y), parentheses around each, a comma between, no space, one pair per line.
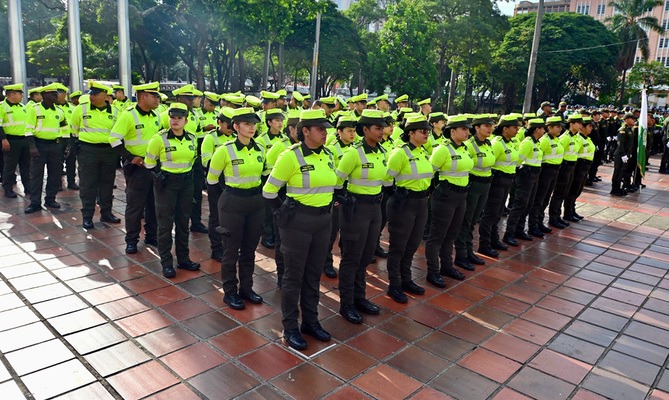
(583,314)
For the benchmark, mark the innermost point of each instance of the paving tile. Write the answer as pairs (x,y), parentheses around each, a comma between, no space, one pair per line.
(33,281)
(60,306)
(116,358)
(10,301)
(647,333)
(511,347)
(132,272)
(640,349)
(92,391)
(404,328)
(529,331)
(652,318)
(466,329)
(140,324)
(561,366)
(58,379)
(489,364)
(386,383)
(251,312)
(95,338)
(630,367)
(344,362)
(561,306)
(445,346)
(603,319)
(506,305)
(614,307)
(185,309)
(89,282)
(546,318)
(76,321)
(142,380)
(166,340)
(377,344)
(4,374)
(624,296)
(17,317)
(271,327)
(577,296)
(47,292)
(576,348)
(224,382)
(469,292)
(450,303)
(237,341)
(583,394)
(39,356)
(201,285)
(349,393)
(663,384)
(24,336)
(428,315)
(146,284)
(11,391)
(591,333)
(208,325)
(306,382)
(418,363)
(193,360)
(106,294)
(122,308)
(164,295)
(536,384)
(659,395)
(270,361)
(462,383)
(508,394)
(614,386)
(180,391)
(489,317)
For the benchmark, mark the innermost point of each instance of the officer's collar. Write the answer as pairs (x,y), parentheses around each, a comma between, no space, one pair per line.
(342,144)
(12,104)
(53,106)
(485,141)
(252,145)
(369,149)
(411,146)
(141,111)
(106,107)
(171,135)
(292,141)
(455,145)
(274,135)
(219,133)
(307,151)
(436,135)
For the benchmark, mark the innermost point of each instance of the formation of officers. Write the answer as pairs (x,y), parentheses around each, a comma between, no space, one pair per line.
(295,176)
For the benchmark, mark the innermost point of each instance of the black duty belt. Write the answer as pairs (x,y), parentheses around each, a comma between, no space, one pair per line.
(14,137)
(531,168)
(499,173)
(47,141)
(101,145)
(417,194)
(304,209)
(250,192)
(482,179)
(368,198)
(550,166)
(457,188)
(565,162)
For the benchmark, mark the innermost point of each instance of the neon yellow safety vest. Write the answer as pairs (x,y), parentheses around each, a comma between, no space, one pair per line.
(453,164)
(552,149)
(365,169)
(529,152)
(176,154)
(91,124)
(483,157)
(46,123)
(506,155)
(134,129)
(211,142)
(241,165)
(410,167)
(13,118)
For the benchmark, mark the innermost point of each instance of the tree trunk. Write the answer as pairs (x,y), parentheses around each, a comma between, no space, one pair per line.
(241,81)
(451,91)
(281,78)
(265,75)
(622,89)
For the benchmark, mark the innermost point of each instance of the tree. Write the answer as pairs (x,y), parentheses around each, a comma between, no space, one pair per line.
(631,22)
(649,75)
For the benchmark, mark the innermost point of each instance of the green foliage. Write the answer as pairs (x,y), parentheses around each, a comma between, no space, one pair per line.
(649,75)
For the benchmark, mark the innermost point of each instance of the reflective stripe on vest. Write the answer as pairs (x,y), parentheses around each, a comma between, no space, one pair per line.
(138,135)
(478,167)
(571,151)
(553,154)
(306,181)
(508,162)
(10,120)
(454,165)
(168,163)
(84,111)
(40,121)
(235,178)
(414,169)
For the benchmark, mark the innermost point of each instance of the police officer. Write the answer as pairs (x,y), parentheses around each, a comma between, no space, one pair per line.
(130,137)
(364,166)
(208,115)
(71,157)
(571,149)
(121,101)
(240,207)
(307,171)
(449,200)
(503,172)
(47,133)
(552,153)
(529,155)
(75,96)
(346,135)
(585,158)
(622,154)
(269,102)
(212,141)
(480,176)
(407,211)
(34,96)
(289,139)
(600,127)
(91,124)
(173,152)
(273,120)
(15,149)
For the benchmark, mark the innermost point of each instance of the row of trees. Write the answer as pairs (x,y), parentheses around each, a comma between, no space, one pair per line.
(462,53)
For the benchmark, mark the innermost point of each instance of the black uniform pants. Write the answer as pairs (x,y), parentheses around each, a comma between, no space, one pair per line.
(173,207)
(18,155)
(596,162)
(577,184)
(359,237)
(562,184)
(448,209)
(526,189)
(97,171)
(215,239)
(405,227)
(618,170)
(304,244)
(241,225)
(476,200)
(198,183)
(664,164)
(334,230)
(140,203)
(71,167)
(545,187)
(51,156)
(494,207)
(268,221)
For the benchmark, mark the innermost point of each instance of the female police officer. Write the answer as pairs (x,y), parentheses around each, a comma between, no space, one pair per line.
(449,201)
(241,208)
(365,168)
(410,166)
(175,150)
(307,171)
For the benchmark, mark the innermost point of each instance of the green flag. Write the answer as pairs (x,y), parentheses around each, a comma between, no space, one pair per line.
(643,129)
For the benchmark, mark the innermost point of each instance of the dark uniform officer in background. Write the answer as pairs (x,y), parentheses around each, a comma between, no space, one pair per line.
(241,207)
(173,152)
(46,132)
(15,151)
(571,149)
(599,130)
(364,166)
(407,211)
(129,137)
(503,172)
(307,171)
(273,121)
(91,124)
(622,155)
(71,157)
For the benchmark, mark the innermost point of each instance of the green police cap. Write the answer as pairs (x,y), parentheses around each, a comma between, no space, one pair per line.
(527,116)
(118,87)
(76,93)
(211,96)
(35,90)
(425,101)
(508,120)
(553,121)
(252,101)
(330,101)
(382,97)
(389,118)
(226,114)
(282,93)
(49,88)
(293,116)
(482,119)
(414,122)
(587,121)
(372,117)
(629,115)
(17,87)
(163,96)
(546,104)
(575,118)
(186,90)
(457,121)
(347,121)
(342,102)
(178,110)
(97,87)
(246,114)
(536,123)
(268,96)
(306,97)
(274,113)
(313,118)
(61,88)
(361,98)
(298,96)
(402,99)
(436,117)
(152,87)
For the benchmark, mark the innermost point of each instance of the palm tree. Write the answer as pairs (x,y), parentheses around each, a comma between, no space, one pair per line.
(631,22)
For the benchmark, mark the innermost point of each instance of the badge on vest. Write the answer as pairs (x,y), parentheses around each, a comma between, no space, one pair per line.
(307,168)
(87,117)
(368,165)
(171,148)
(42,117)
(238,161)
(191,147)
(507,151)
(259,158)
(456,157)
(140,126)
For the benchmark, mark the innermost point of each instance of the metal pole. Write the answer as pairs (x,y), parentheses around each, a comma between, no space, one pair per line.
(74,34)
(314,62)
(17,46)
(527,104)
(124,74)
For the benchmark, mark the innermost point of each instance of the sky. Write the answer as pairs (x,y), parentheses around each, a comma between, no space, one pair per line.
(506,7)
